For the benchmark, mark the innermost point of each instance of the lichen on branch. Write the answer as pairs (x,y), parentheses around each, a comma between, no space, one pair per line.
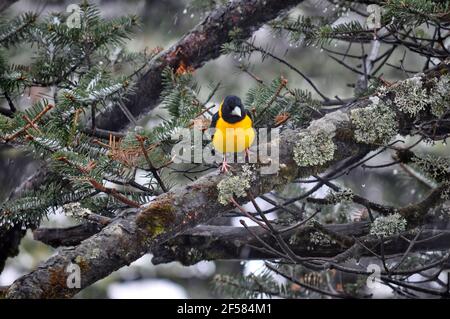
(410,96)
(375,124)
(236,185)
(315,145)
(387,226)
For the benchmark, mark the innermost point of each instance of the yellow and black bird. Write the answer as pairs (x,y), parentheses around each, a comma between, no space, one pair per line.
(234,131)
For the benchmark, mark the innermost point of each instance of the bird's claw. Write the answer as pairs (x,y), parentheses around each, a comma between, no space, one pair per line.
(247,155)
(225,167)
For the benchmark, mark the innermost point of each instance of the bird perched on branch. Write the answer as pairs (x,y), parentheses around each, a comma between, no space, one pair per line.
(234,131)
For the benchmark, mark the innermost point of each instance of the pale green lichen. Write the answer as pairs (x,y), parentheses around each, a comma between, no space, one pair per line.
(314,148)
(76,210)
(440,96)
(433,166)
(382,92)
(232,186)
(410,96)
(343,196)
(248,172)
(386,226)
(375,124)
(320,239)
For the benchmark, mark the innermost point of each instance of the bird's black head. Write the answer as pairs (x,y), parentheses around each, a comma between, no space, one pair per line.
(232,109)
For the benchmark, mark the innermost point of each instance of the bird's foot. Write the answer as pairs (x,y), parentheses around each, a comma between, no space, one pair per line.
(225,167)
(247,155)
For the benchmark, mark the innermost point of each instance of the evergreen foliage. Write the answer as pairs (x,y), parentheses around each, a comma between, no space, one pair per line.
(74,63)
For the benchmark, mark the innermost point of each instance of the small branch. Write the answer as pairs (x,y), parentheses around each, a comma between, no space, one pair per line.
(363,80)
(114,193)
(417,176)
(304,285)
(290,66)
(282,85)
(105,134)
(30,124)
(98,186)
(383,209)
(152,168)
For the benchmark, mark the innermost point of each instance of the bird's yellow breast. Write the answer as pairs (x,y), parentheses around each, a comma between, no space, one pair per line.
(233,137)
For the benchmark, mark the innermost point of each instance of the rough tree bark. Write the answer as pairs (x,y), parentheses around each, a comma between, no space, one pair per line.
(200,45)
(137,232)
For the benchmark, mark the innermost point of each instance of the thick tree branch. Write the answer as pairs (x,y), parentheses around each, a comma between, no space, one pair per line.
(5,4)
(198,46)
(227,242)
(237,243)
(141,230)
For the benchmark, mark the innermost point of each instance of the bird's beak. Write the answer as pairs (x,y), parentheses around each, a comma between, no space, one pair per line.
(237,111)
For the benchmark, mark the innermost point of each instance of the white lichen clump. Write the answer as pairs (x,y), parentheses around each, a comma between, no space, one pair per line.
(435,167)
(410,96)
(374,124)
(320,239)
(248,172)
(233,186)
(314,148)
(75,210)
(440,96)
(386,226)
(343,196)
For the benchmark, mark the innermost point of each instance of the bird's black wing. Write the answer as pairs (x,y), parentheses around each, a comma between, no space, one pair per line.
(250,115)
(214,120)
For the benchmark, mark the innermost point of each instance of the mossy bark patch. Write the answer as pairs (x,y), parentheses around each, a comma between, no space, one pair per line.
(157,217)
